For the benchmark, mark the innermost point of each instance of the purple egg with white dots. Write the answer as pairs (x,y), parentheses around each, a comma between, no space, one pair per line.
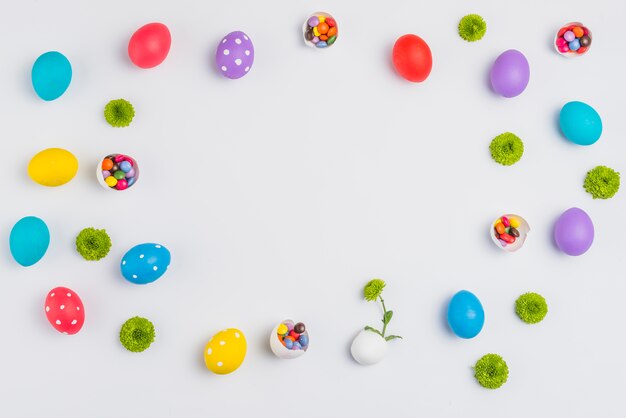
(235,55)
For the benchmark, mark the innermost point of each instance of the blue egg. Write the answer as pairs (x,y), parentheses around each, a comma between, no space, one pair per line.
(580,123)
(29,240)
(466,316)
(144,263)
(51,75)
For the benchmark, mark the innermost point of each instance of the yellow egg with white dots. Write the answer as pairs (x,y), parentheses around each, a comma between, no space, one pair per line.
(225,352)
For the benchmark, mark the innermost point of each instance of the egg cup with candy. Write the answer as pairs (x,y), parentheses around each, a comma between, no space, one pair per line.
(509,232)
(320,30)
(289,340)
(117,172)
(572,40)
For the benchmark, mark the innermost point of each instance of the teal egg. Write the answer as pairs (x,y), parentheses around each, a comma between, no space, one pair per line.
(51,75)
(29,240)
(466,316)
(580,123)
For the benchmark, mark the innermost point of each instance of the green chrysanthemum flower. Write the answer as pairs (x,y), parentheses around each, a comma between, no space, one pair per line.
(93,244)
(472,28)
(119,113)
(531,308)
(137,334)
(602,182)
(373,289)
(491,371)
(506,149)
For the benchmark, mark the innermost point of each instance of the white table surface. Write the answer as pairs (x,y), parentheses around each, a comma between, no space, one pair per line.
(281,194)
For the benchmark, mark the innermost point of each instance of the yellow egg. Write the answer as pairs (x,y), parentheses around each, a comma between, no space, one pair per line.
(225,352)
(53,167)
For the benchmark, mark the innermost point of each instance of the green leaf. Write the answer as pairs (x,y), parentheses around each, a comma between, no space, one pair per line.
(368,328)
(387,317)
(392,337)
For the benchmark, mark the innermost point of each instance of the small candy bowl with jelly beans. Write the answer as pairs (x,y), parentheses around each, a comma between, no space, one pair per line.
(509,232)
(320,30)
(117,172)
(572,40)
(289,340)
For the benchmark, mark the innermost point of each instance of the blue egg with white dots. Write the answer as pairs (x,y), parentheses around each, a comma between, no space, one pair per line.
(125,166)
(51,75)
(145,263)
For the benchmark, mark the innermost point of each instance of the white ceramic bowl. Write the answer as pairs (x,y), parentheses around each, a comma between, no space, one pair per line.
(100,176)
(523,229)
(571,54)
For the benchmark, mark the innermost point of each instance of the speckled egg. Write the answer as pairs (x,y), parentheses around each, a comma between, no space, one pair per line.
(145,263)
(225,352)
(65,310)
(235,55)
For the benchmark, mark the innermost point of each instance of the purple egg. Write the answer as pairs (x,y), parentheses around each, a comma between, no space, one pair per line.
(573,232)
(235,55)
(510,73)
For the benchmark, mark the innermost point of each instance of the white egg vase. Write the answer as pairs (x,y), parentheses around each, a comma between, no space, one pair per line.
(279,349)
(523,229)
(368,348)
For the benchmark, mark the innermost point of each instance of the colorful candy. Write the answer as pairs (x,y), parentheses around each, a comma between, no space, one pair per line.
(509,232)
(320,30)
(118,171)
(573,39)
(289,341)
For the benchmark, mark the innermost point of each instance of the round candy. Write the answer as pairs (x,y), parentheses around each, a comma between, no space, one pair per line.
(299,328)
(282,329)
(510,73)
(149,45)
(580,123)
(574,45)
(574,232)
(585,41)
(412,58)
(235,55)
(51,75)
(578,31)
(120,174)
(320,30)
(569,36)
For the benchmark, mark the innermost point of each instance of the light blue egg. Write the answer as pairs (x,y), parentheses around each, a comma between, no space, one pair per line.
(29,240)
(580,123)
(51,75)
(466,316)
(144,263)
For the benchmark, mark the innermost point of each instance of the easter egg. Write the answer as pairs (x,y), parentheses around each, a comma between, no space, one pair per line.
(510,73)
(29,240)
(580,123)
(225,352)
(51,75)
(574,232)
(412,58)
(52,167)
(149,45)
(368,348)
(466,316)
(144,263)
(64,310)
(235,55)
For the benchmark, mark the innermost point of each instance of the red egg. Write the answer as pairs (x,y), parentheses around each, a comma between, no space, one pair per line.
(412,58)
(149,45)
(65,310)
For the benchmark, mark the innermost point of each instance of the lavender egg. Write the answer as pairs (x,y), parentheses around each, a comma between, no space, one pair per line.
(235,55)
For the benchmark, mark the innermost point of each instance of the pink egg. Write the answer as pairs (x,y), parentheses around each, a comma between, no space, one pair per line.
(64,310)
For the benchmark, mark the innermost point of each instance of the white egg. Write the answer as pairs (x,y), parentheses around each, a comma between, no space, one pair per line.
(368,348)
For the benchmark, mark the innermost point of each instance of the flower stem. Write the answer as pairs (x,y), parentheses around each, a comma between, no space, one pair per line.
(384,315)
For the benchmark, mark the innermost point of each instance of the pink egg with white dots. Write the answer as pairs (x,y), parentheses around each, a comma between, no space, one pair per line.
(64,310)
(235,55)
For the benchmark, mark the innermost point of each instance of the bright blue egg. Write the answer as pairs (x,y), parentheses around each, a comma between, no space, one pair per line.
(51,75)
(29,240)
(144,263)
(580,123)
(466,316)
